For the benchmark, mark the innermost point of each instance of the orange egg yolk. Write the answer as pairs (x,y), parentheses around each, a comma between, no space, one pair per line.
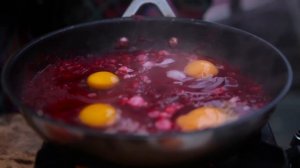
(102,80)
(201,69)
(201,118)
(98,115)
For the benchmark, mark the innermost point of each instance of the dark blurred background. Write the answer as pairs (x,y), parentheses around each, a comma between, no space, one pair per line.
(277,21)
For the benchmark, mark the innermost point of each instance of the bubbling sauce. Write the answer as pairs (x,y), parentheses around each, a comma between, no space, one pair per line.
(143,92)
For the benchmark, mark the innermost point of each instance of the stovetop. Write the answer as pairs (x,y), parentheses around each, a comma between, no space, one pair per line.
(260,151)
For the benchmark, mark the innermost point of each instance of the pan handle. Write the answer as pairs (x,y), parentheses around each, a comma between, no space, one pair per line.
(162,5)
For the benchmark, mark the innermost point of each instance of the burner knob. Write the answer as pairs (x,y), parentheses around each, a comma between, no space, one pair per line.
(293,153)
(296,139)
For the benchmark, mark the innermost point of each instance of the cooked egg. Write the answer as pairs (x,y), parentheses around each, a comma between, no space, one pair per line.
(98,115)
(201,118)
(201,69)
(102,80)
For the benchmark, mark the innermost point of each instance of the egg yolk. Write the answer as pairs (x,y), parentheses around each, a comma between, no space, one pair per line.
(201,69)
(102,80)
(98,115)
(201,118)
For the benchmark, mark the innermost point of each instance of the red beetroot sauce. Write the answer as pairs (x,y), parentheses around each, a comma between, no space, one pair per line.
(60,90)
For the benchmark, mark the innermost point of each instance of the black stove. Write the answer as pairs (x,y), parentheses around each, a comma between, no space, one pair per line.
(260,151)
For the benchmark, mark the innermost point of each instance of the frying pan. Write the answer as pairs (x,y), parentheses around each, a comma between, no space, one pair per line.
(255,57)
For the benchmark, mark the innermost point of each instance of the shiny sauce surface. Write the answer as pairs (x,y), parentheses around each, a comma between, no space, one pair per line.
(153,90)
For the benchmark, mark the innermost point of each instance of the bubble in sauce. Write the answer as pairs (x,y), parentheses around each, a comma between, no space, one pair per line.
(123,42)
(173,42)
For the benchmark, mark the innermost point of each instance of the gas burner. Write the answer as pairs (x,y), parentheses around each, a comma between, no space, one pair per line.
(260,151)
